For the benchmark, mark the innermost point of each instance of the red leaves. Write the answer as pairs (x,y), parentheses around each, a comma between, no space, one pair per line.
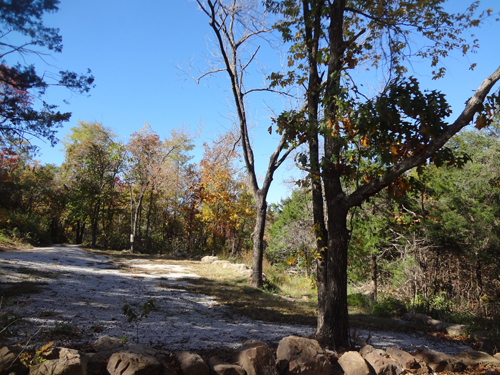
(8,163)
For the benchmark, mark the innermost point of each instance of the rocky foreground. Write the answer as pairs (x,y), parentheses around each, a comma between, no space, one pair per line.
(294,355)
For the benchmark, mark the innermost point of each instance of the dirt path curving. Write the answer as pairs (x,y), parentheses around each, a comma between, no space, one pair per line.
(85,293)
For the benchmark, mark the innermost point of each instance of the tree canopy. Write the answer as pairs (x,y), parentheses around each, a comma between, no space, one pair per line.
(371,141)
(23,111)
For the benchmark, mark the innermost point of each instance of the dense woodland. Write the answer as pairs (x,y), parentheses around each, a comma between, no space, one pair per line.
(395,201)
(433,247)
(105,191)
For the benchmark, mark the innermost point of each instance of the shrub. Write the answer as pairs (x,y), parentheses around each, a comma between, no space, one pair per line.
(389,308)
(357,300)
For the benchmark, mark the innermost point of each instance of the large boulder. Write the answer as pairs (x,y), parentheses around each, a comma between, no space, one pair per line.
(70,362)
(380,361)
(404,359)
(353,364)
(128,363)
(455,329)
(298,355)
(106,343)
(438,361)
(192,364)
(256,358)
(10,362)
(472,357)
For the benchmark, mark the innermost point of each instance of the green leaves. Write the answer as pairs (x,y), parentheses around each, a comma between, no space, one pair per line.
(142,311)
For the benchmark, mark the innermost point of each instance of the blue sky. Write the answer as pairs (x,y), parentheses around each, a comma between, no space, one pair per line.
(133,49)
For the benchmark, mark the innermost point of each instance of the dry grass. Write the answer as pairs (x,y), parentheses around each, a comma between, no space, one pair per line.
(231,289)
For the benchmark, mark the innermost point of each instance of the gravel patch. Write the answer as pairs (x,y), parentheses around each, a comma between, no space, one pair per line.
(88,292)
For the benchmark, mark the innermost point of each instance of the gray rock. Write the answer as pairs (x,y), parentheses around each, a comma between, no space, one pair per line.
(420,318)
(436,325)
(10,363)
(404,359)
(209,259)
(192,363)
(219,367)
(108,343)
(408,316)
(298,355)
(368,349)
(455,329)
(353,364)
(70,362)
(128,363)
(256,358)
(437,361)
(382,364)
(472,357)
(240,266)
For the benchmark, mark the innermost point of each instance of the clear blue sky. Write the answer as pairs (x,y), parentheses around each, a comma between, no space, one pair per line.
(133,48)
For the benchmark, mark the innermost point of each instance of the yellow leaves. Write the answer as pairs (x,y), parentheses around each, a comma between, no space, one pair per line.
(365,141)
(394,149)
(291,260)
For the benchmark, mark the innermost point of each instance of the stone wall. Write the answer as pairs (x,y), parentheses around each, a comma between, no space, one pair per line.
(294,355)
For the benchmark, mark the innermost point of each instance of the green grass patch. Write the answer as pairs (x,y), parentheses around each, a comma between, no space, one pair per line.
(10,244)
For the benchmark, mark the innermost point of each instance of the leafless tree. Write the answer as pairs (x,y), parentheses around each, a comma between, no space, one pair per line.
(236,23)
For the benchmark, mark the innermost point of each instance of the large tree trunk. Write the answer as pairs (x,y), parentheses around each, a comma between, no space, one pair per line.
(333,329)
(258,239)
(312,29)
(333,325)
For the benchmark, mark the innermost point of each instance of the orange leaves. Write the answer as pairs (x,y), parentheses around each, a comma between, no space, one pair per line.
(225,201)
(399,187)
(8,163)
(481,122)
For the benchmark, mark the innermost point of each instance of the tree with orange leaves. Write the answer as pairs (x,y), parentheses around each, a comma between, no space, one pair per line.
(226,204)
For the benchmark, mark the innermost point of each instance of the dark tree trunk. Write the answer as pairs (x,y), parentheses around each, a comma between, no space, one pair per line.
(312,12)
(258,239)
(335,324)
(94,226)
(333,328)
(148,221)
(80,229)
(374,276)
